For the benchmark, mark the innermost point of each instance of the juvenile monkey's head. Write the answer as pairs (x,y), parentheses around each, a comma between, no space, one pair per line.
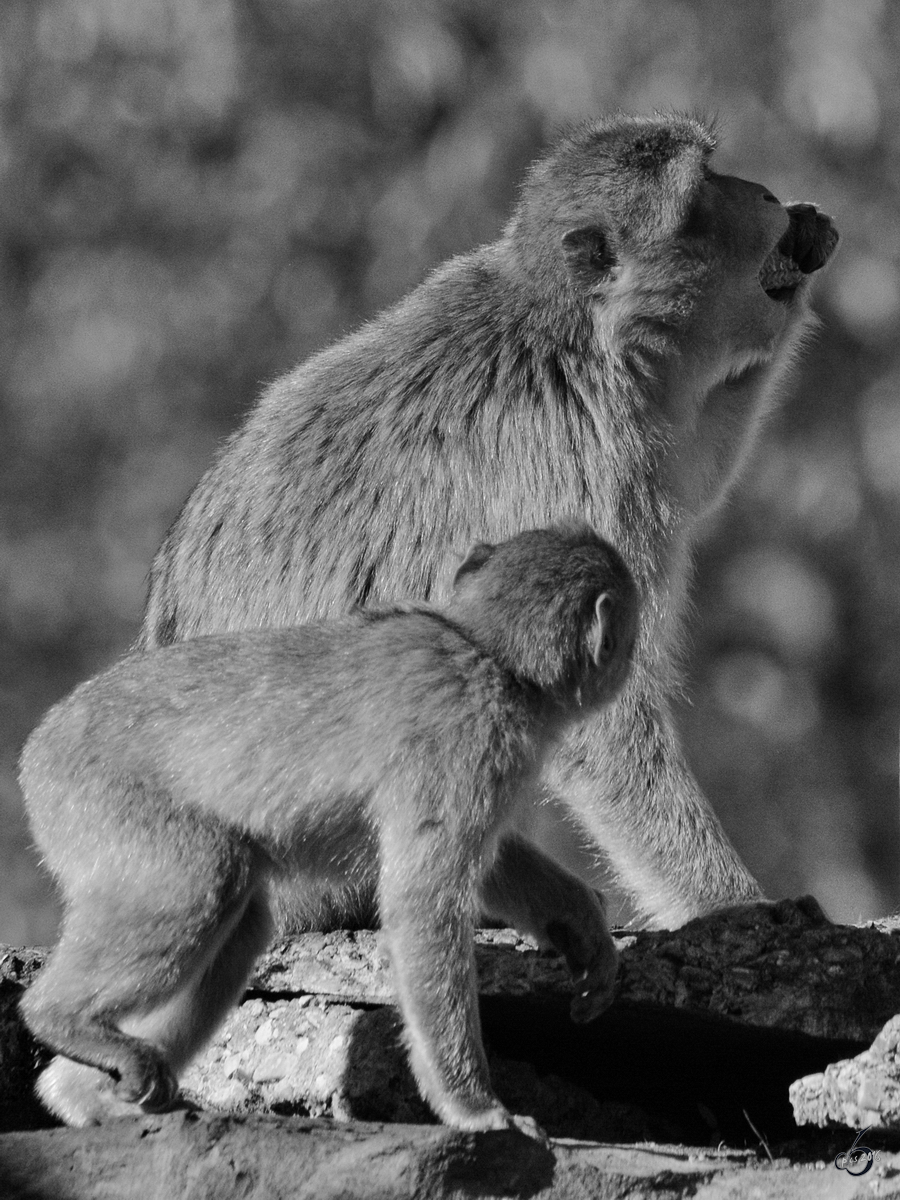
(558,607)
(627,211)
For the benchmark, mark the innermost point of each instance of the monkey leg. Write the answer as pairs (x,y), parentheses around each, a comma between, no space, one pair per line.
(426,898)
(181,1026)
(623,775)
(145,971)
(542,899)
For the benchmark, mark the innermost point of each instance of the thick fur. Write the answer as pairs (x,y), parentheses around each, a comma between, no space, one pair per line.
(391,751)
(612,355)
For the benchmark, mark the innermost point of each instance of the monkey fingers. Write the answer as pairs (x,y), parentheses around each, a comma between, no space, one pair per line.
(529,1127)
(805,910)
(594,968)
(595,988)
(497,1119)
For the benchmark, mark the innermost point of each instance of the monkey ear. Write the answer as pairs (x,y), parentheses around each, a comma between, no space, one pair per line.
(588,255)
(475,560)
(601,641)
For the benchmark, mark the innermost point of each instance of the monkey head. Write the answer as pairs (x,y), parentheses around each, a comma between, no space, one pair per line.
(629,217)
(558,607)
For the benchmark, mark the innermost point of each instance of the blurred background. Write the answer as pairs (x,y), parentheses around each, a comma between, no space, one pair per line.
(197,193)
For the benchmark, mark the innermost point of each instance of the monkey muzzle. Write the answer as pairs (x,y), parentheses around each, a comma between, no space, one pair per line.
(806,246)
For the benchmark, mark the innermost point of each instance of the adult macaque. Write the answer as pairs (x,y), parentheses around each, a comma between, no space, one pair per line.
(392,751)
(612,355)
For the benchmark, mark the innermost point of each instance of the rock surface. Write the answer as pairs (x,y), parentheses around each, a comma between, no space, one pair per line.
(711,1025)
(186,1156)
(862,1092)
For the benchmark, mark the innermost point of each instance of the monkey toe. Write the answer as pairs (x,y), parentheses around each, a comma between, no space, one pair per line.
(155,1090)
(161,1095)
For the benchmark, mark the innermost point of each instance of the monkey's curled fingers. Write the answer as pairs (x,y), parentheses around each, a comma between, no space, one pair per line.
(805,910)
(530,1128)
(501,1118)
(593,963)
(595,987)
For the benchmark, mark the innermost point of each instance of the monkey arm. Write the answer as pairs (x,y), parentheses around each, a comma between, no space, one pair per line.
(624,775)
(425,896)
(427,899)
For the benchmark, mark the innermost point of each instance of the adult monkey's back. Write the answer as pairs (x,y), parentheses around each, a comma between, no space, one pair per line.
(611,356)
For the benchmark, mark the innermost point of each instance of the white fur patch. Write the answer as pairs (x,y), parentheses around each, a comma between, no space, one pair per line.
(81,1095)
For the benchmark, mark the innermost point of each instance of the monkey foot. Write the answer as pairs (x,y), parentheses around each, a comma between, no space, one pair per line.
(81,1095)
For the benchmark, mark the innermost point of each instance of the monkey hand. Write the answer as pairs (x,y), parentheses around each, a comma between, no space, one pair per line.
(500,1118)
(591,957)
(528,1126)
(595,986)
(805,910)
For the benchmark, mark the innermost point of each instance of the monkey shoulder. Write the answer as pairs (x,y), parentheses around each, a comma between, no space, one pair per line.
(466,310)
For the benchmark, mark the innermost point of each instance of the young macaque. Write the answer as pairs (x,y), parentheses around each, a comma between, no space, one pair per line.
(612,355)
(397,750)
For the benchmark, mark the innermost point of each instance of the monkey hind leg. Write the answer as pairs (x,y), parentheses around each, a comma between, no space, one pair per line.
(181,1027)
(142,977)
(139,1055)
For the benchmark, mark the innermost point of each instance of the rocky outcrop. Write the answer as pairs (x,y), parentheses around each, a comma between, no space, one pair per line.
(711,1025)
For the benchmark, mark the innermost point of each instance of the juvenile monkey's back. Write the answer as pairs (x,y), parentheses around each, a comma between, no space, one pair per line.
(239,725)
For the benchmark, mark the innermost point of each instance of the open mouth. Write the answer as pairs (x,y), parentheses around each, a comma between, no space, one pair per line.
(806,246)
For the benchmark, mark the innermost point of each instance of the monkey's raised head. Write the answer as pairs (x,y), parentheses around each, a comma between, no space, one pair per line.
(632,205)
(557,607)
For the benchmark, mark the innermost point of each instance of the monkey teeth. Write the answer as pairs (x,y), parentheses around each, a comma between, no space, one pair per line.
(779,271)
